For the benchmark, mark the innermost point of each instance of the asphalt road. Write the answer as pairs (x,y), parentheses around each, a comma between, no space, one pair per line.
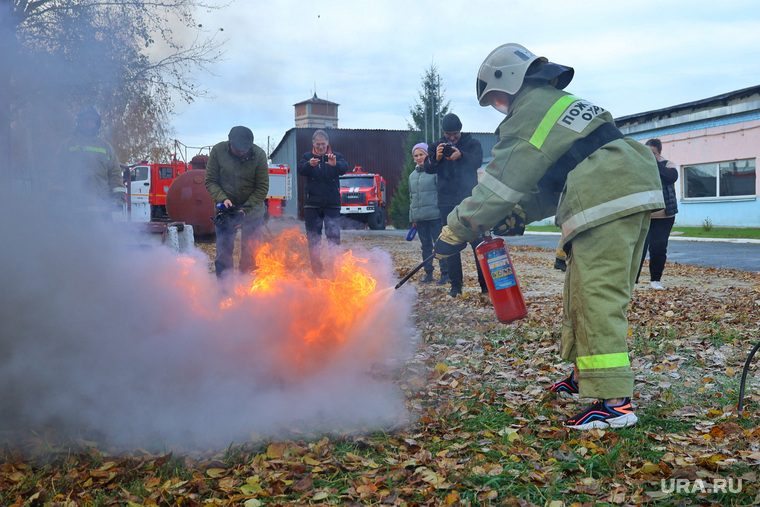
(743,255)
(738,254)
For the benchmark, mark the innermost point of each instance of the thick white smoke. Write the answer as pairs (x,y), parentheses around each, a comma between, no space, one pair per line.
(104,338)
(99,335)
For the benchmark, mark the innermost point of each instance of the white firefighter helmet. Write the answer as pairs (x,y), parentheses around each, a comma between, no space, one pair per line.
(504,70)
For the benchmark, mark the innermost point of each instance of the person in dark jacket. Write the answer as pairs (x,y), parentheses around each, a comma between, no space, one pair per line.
(662,220)
(455,158)
(237,174)
(322,168)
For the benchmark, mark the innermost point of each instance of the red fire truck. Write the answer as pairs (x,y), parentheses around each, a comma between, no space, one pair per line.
(148,186)
(362,198)
(280,190)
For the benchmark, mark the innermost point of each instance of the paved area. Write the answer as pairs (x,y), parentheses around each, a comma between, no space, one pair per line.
(741,254)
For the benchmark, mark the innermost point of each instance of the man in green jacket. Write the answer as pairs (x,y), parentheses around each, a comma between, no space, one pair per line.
(562,155)
(237,174)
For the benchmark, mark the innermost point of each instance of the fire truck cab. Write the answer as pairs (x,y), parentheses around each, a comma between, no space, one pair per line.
(148,184)
(362,198)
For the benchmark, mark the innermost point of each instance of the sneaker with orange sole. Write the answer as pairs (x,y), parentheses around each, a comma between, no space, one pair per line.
(600,415)
(565,387)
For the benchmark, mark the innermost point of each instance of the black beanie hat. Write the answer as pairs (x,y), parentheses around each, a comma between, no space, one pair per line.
(451,123)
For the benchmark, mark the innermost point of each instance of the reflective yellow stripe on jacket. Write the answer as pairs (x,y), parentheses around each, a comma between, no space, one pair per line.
(609,208)
(550,118)
(95,149)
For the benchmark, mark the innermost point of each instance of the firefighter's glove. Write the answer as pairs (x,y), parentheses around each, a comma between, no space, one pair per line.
(512,224)
(448,244)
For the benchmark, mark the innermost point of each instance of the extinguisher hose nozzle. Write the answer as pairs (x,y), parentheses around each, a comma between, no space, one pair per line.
(412,272)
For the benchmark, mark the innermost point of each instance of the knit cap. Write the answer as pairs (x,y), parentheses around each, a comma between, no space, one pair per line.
(422,146)
(451,123)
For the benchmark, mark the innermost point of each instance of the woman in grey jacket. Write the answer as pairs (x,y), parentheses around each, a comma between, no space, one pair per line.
(423,211)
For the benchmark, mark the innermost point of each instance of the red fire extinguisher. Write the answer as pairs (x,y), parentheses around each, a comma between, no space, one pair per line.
(501,280)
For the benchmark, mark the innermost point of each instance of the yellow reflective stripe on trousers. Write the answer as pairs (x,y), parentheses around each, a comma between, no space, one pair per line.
(603,361)
(550,118)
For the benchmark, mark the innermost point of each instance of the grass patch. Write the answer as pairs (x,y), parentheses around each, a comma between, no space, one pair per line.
(543,228)
(719,232)
(691,232)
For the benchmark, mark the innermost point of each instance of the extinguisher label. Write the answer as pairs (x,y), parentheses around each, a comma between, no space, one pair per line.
(500,268)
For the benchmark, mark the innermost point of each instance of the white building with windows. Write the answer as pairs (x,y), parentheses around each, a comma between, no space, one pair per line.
(715,143)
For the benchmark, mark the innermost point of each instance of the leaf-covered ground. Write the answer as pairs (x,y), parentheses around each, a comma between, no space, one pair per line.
(484,430)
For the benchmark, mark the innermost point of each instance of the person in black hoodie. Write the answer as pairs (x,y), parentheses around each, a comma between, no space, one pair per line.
(322,168)
(455,158)
(662,220)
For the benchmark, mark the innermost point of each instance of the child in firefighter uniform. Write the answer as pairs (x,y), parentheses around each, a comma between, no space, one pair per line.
(562,155)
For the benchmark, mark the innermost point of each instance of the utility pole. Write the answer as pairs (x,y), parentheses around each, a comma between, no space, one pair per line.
(426,127)
(437,92)
(432,109)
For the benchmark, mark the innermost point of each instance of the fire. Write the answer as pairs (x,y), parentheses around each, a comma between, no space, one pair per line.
(316,317)
(278,262)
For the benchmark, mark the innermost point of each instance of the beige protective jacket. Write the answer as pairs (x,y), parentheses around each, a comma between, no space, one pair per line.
(93,162)
(618,179)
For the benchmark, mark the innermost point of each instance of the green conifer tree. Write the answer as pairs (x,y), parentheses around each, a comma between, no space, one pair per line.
(426,113)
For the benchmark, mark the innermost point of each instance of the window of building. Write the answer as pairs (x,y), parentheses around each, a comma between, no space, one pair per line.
(724,179)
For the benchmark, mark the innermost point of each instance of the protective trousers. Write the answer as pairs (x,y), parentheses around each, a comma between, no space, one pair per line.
(601,270)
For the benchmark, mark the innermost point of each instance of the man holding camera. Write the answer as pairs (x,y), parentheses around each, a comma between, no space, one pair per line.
(237,174)
(322,168)
(455,158)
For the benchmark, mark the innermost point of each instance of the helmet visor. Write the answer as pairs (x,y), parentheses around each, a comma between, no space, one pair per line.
(484,94)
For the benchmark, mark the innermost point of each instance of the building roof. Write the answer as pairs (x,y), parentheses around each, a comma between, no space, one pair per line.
(315,100)
(721,100)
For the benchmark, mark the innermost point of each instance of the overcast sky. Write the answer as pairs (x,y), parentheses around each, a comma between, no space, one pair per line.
(369,56)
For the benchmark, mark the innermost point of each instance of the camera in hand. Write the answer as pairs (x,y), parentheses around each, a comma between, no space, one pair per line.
(448,149)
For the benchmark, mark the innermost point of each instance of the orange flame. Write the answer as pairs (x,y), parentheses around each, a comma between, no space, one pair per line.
(317,314)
